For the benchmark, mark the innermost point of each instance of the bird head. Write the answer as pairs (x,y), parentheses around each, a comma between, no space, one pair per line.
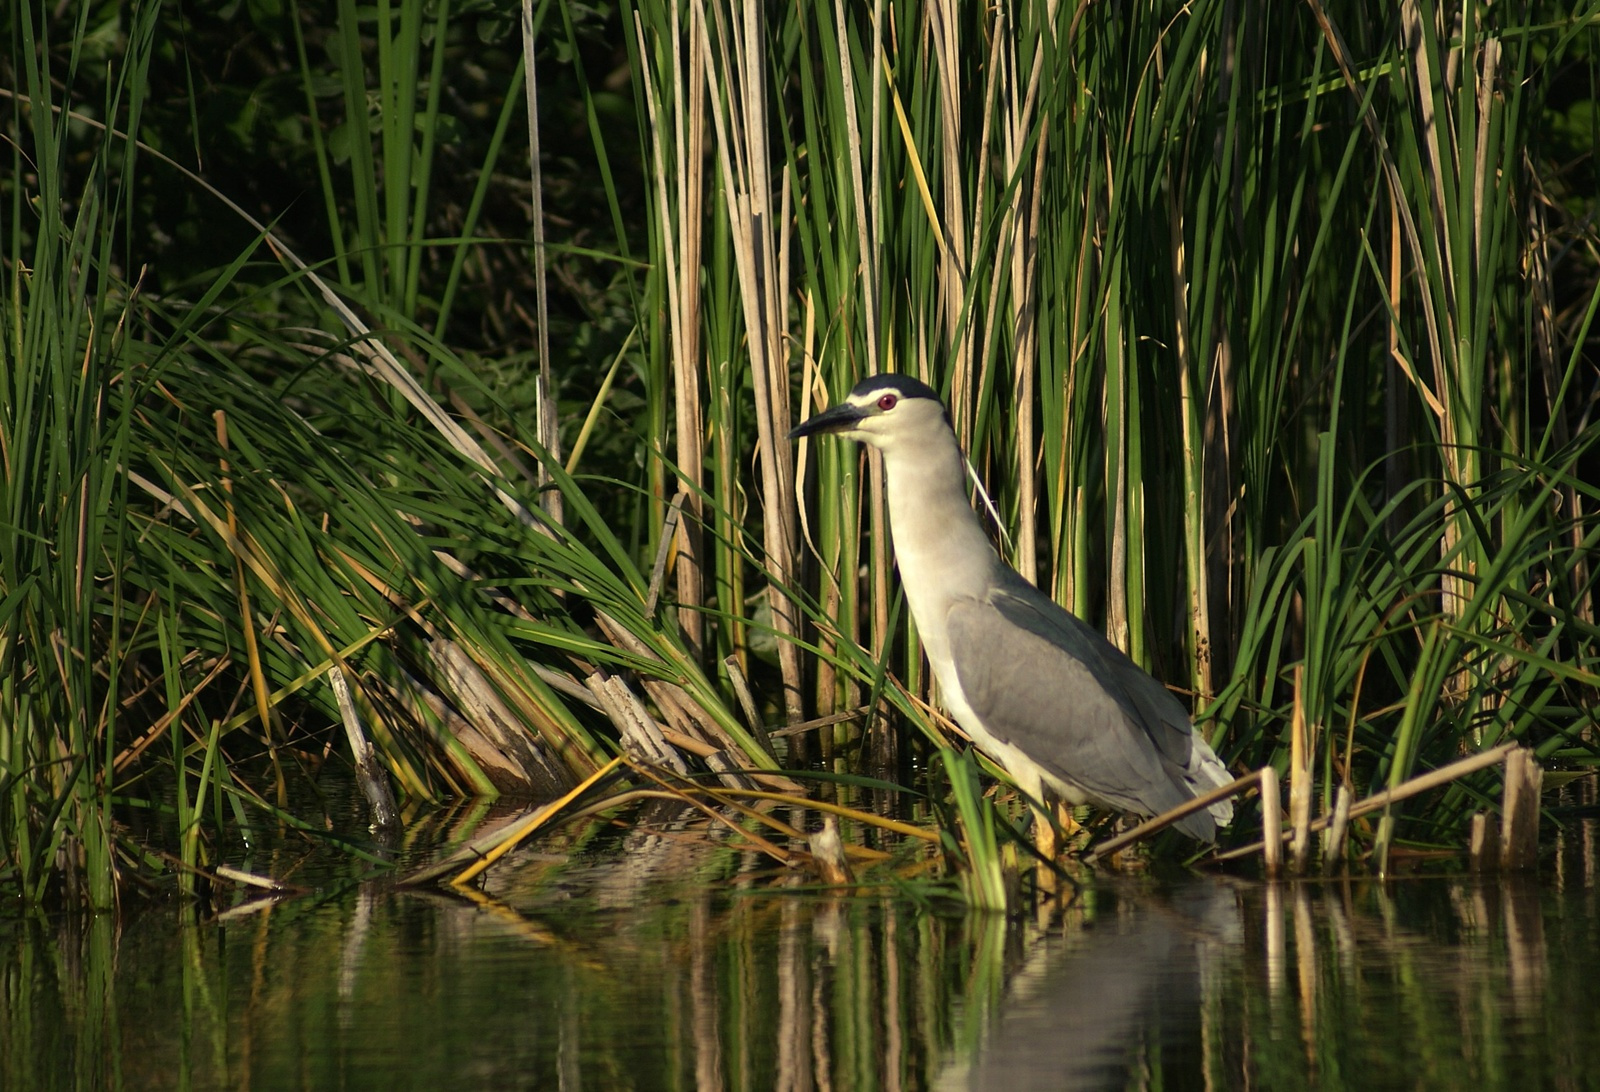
(885,411)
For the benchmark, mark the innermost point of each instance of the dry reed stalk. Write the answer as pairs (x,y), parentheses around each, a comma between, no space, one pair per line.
(681,227)
(747,703)
(1483,844)
(827,853)
(1378,801)
(943,26)
(1025,294)
(1160,822)
(484,853)
(741,126)
(638,729)
(1519,812)
(1300,757)
(489,708)
(689,134)
(866,214)
(369,774)
(1271,822)
(1333,841)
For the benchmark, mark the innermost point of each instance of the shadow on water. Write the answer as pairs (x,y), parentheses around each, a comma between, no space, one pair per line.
(651,957)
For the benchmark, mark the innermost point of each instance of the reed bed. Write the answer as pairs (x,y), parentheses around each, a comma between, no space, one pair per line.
(1268,329)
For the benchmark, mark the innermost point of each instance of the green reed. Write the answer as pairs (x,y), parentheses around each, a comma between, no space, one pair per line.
(1256,322)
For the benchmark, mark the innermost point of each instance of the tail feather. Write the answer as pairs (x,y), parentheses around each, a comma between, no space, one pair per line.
(1206,772)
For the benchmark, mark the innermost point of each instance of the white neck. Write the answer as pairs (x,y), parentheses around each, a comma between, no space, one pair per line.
(939,542)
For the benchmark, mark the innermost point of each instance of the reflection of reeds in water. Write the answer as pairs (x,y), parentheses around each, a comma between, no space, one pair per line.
(1451,961)
(594,963)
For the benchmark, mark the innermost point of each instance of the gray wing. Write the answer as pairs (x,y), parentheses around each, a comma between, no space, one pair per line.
(1056,689)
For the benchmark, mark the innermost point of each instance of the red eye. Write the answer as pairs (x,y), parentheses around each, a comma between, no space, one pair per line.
(887,402)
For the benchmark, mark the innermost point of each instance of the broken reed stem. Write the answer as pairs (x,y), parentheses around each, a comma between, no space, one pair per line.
(1519,812)
(819,722)
(1344,811)
(1333,842)
(1433,779)
(1271,819)
(1483,844)
(1166,819)
(1299,778)
(633,721)
(827,853)
(669,536)
(747,702)
(369,774)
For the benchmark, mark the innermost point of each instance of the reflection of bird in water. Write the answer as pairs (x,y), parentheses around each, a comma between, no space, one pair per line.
(1089,1007)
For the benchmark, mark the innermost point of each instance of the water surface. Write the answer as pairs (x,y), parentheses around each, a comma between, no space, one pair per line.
(658,958)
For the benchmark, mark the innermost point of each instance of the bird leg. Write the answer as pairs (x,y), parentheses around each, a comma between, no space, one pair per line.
(1044,840)
(1031,785)
(1044,833)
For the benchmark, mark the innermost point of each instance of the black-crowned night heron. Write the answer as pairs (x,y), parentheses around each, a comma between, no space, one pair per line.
(1045,695)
